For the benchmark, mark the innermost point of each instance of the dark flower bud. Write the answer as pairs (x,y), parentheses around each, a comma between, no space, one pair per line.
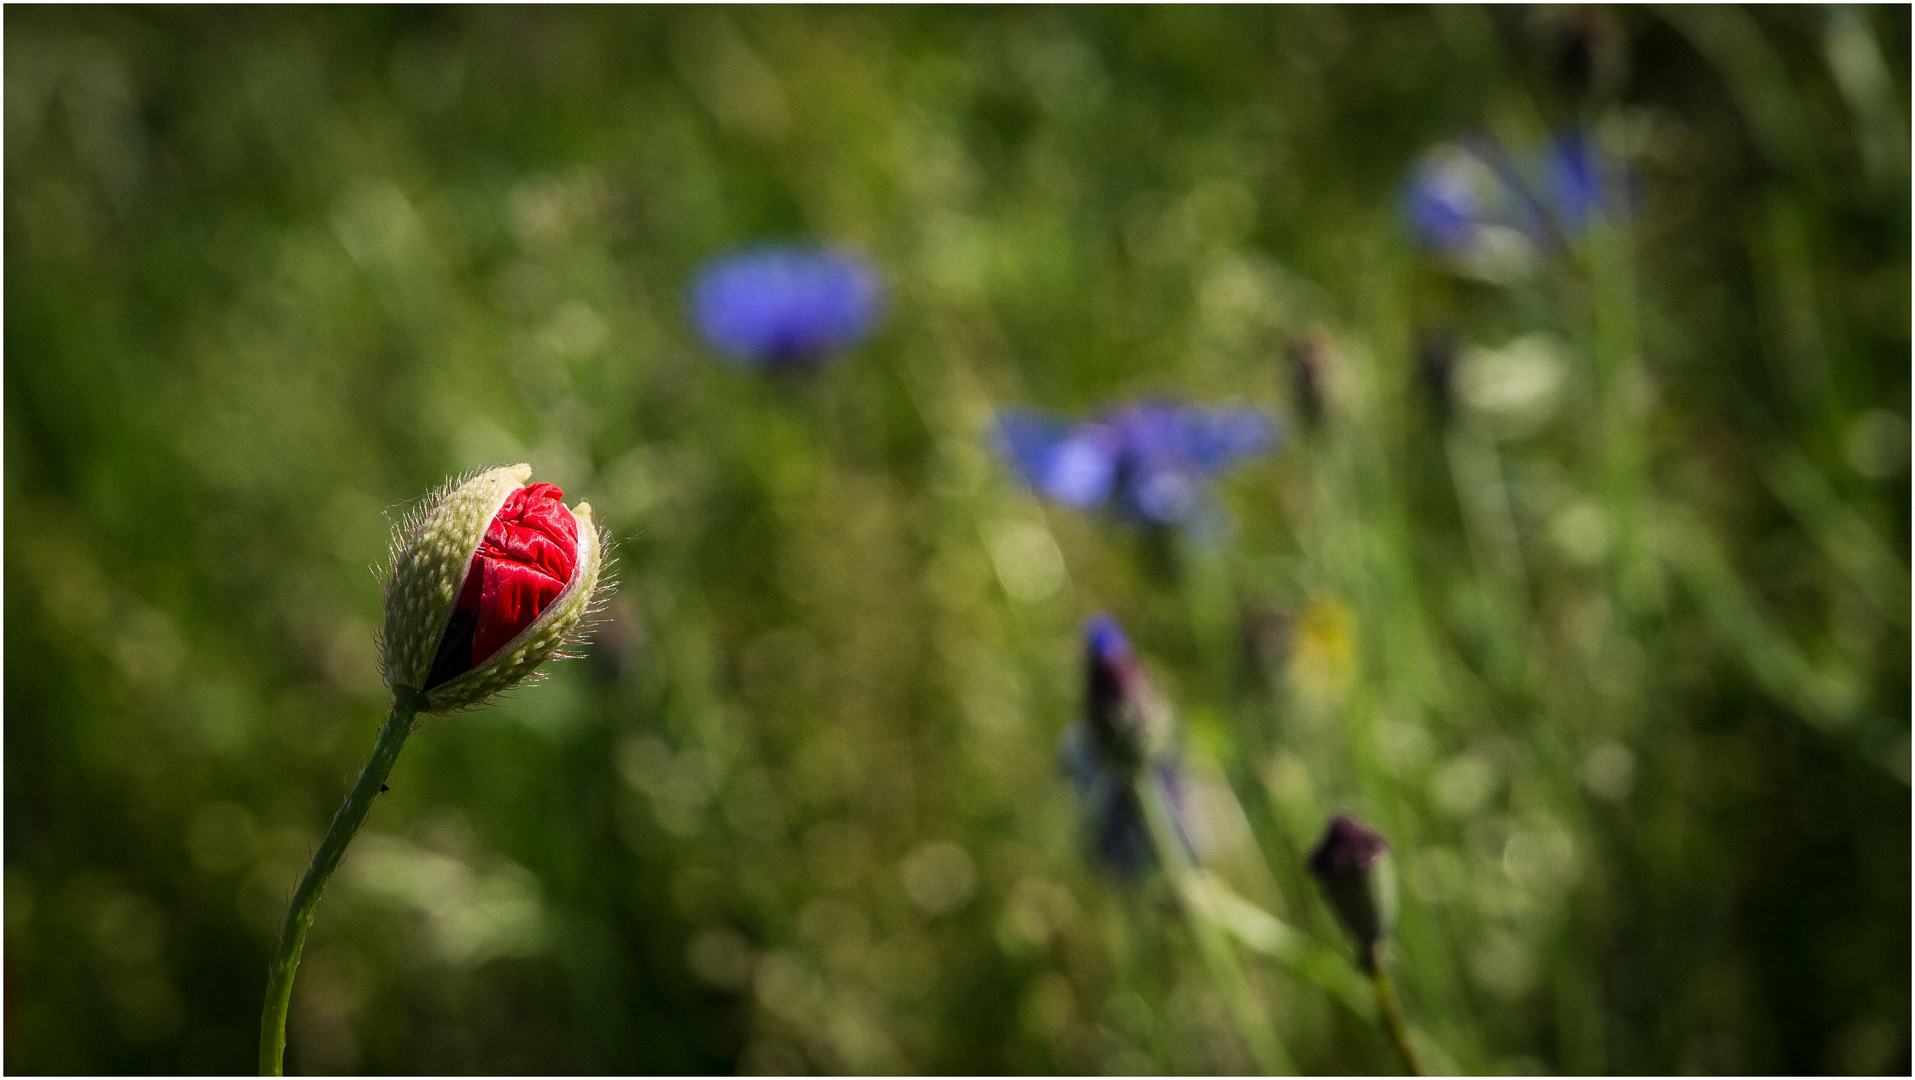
(1306,379)
(1436,352)
(1125,720)
(1352,865)
(1584,49)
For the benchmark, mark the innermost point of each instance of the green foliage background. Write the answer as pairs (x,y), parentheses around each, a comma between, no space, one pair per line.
(1626,682)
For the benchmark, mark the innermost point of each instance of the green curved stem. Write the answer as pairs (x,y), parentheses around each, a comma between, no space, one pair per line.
(1393,1022)
(292,939)
(1212,945)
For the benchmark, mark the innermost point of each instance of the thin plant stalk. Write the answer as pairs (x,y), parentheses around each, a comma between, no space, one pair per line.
(1391,1010)
(1489,525)
(1212,945)
(292,939)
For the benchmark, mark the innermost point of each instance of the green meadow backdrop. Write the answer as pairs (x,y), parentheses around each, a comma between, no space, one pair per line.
(1608,630)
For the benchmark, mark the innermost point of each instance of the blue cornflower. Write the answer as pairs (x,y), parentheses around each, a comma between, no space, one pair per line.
(1451,195)
(778,306)
(1122,738)
(1475,202)
(1146,461)
(1578,184)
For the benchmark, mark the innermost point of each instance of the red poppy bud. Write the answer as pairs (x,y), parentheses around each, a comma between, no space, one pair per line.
(525,560)
(526,571)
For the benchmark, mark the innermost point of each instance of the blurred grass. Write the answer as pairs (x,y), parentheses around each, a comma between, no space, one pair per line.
(1625,681)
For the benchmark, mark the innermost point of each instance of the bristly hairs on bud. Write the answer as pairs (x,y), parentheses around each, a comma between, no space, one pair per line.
(582,630)
(573,635)
(431,553)
(420,592)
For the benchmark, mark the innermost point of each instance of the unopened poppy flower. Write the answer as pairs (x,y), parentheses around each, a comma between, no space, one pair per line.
(785,306)
(1148,462)
(489,578)
(1352,865)
(488,581)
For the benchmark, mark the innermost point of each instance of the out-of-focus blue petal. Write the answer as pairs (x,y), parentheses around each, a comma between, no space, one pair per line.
(1072,465)
(1147,460)
(1442,204)
(1461,195)
(1028,439)
(1082,470)
(1577,181)
(1162,496)
(1150,431)
(1215,439)
(1105,638)
(775,305)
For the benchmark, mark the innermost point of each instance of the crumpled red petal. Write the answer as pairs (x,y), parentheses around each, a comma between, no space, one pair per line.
(526,559)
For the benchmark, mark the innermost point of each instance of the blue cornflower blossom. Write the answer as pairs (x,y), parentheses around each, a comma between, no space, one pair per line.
(1147,461)
(1578,182)
(1122,738)
(1476,203)
(780,306)
(1452,195)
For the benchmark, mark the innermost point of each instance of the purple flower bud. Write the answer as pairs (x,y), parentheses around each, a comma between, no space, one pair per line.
(1125,719)
(1583,49)
(785,306)
(1351,864)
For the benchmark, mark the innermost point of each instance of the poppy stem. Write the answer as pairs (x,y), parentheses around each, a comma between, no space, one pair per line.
(1212,946)
(1393,1022)
(292,939)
